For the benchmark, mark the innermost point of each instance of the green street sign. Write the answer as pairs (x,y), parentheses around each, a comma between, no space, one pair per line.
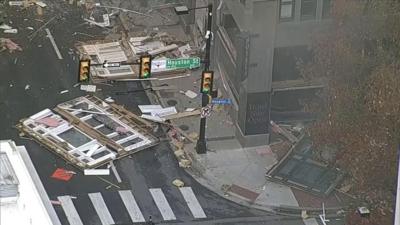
(183,63)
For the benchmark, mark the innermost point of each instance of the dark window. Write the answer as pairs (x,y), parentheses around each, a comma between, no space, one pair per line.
(286,61)
(286,10)
(326,8)
(308,9)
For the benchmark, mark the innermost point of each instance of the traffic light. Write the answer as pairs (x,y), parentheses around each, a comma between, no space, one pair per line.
(84,70)
(207,82)
(145,67)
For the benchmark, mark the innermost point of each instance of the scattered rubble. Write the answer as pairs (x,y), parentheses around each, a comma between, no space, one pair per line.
(178,183)
(62,174)
(88,88)
(6,43)
(11,31)
(190,94)
(96,172)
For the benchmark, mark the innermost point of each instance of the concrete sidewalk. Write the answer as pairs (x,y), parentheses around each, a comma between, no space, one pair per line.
(233,172)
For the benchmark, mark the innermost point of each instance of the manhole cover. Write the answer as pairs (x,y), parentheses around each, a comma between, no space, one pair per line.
(172,102)
(184,127)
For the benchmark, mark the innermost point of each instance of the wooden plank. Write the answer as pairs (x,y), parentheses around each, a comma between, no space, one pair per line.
(182,114)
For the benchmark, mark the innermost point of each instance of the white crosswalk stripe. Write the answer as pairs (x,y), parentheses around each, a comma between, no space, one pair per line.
(192,202)
(131,205)
(101,208)
(69,210)
(162,204)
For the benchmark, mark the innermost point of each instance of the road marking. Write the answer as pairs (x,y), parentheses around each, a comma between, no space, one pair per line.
(131,205)
(53,43)
(101,208)
(69,210)
(116,174)
(192,202)
(162,204)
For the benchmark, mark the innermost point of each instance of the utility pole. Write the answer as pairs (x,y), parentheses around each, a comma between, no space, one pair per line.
(201,146)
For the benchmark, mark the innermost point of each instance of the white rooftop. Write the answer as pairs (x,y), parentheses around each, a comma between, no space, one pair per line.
(32,207)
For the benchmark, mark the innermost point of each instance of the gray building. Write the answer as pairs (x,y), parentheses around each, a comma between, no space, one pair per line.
(257,45)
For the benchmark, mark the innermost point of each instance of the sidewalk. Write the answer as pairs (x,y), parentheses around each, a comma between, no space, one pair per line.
(231,171)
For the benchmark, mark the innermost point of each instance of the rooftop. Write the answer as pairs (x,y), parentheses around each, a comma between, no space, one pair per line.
(32,206)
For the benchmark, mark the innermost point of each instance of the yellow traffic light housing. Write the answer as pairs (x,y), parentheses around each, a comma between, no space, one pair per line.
(207,82)
(84,70)
(145,67)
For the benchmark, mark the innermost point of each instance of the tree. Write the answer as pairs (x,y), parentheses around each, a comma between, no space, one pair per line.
(360,59)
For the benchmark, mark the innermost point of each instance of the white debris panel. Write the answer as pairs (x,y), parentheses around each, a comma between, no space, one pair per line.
(110,52)
(88,132)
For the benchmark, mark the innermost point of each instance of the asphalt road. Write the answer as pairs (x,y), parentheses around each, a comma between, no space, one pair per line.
(38,66)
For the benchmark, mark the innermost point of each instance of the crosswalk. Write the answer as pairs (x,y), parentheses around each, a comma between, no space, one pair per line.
(131,206)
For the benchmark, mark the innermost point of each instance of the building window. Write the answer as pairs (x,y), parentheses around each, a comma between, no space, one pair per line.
(286,10)
(308,9)
(326,8)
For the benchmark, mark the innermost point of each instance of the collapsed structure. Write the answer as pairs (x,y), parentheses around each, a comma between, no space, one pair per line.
(89,132)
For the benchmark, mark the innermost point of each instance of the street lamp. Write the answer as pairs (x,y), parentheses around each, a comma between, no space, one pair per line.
(201,146)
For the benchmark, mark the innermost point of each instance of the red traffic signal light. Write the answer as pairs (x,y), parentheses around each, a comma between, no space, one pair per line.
(207,82)
(84,70)
(145,67)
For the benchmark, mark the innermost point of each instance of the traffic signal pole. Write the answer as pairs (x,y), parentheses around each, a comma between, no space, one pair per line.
(201,145)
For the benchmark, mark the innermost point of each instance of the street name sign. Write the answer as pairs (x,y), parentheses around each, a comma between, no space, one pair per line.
(161,65)
(183,63)
(221,101)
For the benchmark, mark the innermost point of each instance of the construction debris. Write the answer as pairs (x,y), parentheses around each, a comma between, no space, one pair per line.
(62,174)
(96,172)
(149,108)
(105,23)
(11,31)
(280,130)
(16,3)
(87,134)
(109,100)
(41,4)
(48,121)
(190,94)
(6,43)
(5,27)
(88,88)
(178,183)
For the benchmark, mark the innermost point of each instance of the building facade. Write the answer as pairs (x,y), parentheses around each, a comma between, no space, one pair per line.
(257,47)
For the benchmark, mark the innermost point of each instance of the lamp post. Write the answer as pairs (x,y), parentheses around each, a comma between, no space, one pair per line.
(201,146)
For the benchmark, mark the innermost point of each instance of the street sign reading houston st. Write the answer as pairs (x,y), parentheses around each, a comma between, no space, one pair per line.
(183,63)
(174,64)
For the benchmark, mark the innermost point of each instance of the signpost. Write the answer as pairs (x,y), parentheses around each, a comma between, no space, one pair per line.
(174,64)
